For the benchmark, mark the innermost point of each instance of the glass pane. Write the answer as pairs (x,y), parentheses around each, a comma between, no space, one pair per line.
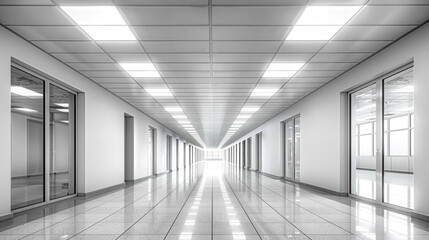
(399,143)
(366,145)
(399,123)
(27,150)
(62,122)
(363,174)
(289,149)
(365,128)
(398,173)
(297,148)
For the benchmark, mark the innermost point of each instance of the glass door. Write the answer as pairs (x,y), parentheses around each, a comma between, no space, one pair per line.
(62,142)
(363,121)
(382,140)
(292,142)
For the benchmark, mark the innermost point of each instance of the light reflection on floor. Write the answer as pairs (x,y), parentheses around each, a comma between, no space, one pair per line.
(214,200)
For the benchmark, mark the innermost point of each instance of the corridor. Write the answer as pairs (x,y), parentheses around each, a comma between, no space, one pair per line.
(213,200)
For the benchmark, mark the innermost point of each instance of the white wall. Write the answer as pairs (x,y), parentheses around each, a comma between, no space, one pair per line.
(101,164)
(322,153)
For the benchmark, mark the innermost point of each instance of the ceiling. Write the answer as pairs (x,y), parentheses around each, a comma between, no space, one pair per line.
(211,54)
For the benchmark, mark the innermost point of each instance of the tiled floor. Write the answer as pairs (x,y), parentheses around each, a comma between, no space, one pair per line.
(213,201)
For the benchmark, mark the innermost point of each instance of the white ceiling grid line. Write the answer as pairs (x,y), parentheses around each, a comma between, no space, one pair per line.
(212,54)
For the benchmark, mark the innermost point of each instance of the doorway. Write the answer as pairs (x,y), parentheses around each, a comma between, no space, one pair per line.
(129,148)
(381,126)
(243,154)
(258,151)
(169,148)
(177,154)
(292,135)
(152,149)
(249,153)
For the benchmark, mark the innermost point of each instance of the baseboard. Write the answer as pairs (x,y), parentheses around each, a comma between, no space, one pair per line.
(6,217)
(139,179)
(101,191)
(271,176)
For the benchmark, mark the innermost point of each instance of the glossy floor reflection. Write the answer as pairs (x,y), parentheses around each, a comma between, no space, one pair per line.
(213,200)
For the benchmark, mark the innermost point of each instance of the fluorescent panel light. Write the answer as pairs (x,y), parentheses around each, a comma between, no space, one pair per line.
(173,109)
(63,110)
(65,121)
(239,121)
(159,92)
(250,109)
(262,92)
(407,89)
(187,125)
(144,74)
(24,92)
(183,122)
(138,66)
(109,33)
(278,74)
(233,128)
(327,15)
(25,109)
(94,15)
(313,32)
(292,66)
(181,116)
(244,116)
(66,105)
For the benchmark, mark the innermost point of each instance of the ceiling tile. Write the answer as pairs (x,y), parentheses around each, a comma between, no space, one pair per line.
(340,57)
(301,46)
(255,15)
(50,32)
(30,15)
(249,32)
(150,33)
(246,47)
(242,57)
(391,15)
(166,15)
(258,2)
(176,46)
(365,33)
(121,46)
(354,46)
(180,57)
(161,2)
(130,57)
(83,57)
(70,47)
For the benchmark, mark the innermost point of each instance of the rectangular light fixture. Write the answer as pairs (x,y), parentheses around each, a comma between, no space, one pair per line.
(244,116)
(24,92)
(63,110)
(137,66)
(313,33)
(263,92)
(101,23)
(285,66)
(279,74)
(94,15)
(187,126)
(249,109)
(159,92)
(183,122)
(239,121)
(173,109)
(327,15)
(109,33)
(179,116)
(144,74)
(25,109)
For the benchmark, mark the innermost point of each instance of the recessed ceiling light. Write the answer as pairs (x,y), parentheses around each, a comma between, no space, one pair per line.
(109,33)
(24,92)
(64,121)
(262,92)
(183,122)
(25,109)
(239,121)
(323,33)
(187,125)
(236,125)
(291,66)
(137,66)
(233,128)
(179,116)
(94,15)
(327,15)
(144,74)
(278,74)
(250,109)
(159,92)
(63,110)
(173,109)
(244,116)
